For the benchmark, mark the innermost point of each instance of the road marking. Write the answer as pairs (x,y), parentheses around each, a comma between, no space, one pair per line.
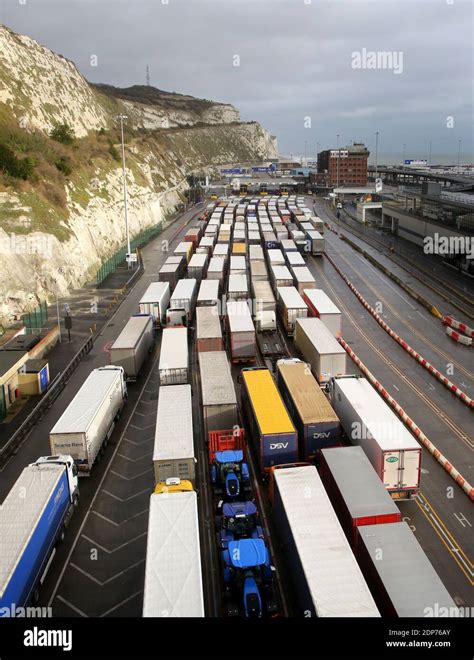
(115,607)
(73,607)
(110,552)
(393,385)
(459,556)
(462,519)
(131,478)
(111,579)
(127,499)
(135,460)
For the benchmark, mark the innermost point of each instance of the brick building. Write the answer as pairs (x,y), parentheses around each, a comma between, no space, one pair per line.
(352,165)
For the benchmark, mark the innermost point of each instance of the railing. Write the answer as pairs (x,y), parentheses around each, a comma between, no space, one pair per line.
(54,390)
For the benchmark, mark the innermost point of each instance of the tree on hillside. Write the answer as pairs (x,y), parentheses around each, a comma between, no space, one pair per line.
(63,133)
(21,168)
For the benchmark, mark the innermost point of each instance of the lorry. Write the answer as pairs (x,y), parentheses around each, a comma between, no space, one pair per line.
(173,575)
(155,301)
(185,249)
(271,429)
(208,329)
(174,358)
(263,298)
(208,294)
(280,276)
(184,297)
(404,584)
(275,257)
(258,270)
(33,519)
(294,259)
(318,347)
(238,265)
(240,331)
(197,266)
(303,278)
(237,288)
(215,270)
(328,582)
(269,339)
(355,490)
(170,273)
(256,253)
(173,454)
(133,345)
(219,401)
(321,306)
(291,306)
(86,425)
(314,243)
(369,422)
(316,422)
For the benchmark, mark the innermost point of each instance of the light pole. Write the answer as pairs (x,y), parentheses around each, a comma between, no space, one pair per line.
(459,152)
(376,153)
(404,153)
(124,175)
(305,153)
(429,158)
(57,312)
(337,164)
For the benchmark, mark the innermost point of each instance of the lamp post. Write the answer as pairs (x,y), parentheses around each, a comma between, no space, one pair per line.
(337,164)
(376,153)
(124,176)
(459,152)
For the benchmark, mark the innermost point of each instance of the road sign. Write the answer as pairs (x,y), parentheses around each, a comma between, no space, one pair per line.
(131,257)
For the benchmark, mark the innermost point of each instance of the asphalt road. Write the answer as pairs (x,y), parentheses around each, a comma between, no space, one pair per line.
(99,569)
(442,516)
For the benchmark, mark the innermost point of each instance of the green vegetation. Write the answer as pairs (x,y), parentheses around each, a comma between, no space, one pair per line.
(63,133)
(21,168)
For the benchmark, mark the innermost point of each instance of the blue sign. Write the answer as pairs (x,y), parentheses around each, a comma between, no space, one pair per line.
(232,170)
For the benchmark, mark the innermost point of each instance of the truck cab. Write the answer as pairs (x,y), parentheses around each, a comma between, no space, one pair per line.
(173,485)
(238,520)
(229,473)
(266,321)
(176,317)
(71,469)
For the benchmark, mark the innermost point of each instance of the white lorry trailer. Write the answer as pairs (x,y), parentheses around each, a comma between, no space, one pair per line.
(133,345)
(369,422)
(85,426)
(173,454)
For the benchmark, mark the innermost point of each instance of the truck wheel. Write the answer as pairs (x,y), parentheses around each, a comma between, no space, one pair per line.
(36,596)
(62,535)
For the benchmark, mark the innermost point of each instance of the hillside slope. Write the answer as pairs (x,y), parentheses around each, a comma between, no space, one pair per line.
(62,216)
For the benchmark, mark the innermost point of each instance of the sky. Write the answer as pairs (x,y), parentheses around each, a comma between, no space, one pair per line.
(307,70)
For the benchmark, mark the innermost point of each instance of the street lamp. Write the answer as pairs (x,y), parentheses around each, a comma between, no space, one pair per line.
(376,153)
(337,165)
(459,152)
(429,158)
(124,176)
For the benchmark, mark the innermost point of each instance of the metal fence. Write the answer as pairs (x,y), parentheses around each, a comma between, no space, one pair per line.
(118,257)
(36,319)
(46,402)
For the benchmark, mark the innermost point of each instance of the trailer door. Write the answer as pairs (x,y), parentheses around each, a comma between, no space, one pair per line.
(411,468)
(392,469)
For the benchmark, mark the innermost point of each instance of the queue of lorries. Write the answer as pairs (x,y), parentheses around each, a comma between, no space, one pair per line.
(238,291)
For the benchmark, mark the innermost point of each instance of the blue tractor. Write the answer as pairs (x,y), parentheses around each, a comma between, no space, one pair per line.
(248,579)
(237,520)
(230,474)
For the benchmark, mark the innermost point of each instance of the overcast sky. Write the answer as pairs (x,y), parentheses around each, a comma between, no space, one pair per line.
(297,61)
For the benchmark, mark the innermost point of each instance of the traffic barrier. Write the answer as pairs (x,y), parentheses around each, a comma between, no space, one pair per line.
(461,339)
(426,442)
(414,354)
(457,325)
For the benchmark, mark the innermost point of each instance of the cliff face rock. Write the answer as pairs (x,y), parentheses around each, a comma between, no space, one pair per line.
(55,230)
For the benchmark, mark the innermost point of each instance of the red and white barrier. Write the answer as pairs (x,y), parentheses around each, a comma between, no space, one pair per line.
(419,358)
(457,325)
(426,442)
(461,339)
